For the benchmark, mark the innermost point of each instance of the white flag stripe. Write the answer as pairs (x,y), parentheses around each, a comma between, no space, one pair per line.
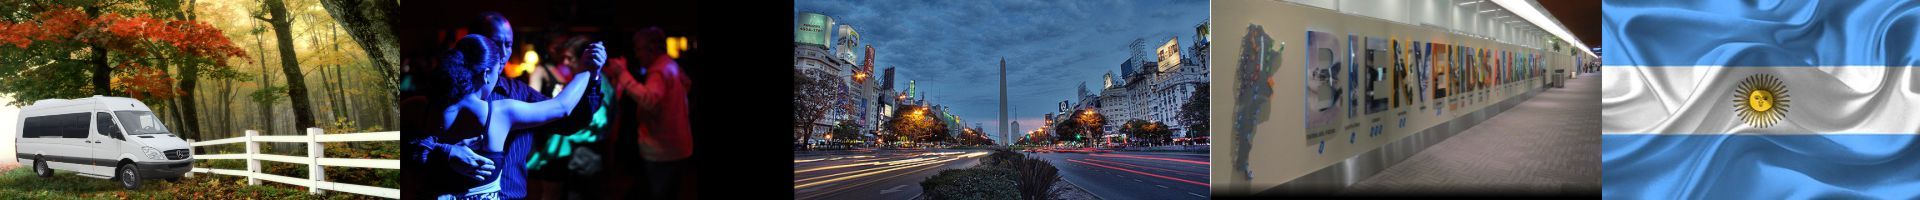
(1700,100)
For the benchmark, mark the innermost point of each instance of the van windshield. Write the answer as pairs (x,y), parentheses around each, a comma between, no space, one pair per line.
(140,122)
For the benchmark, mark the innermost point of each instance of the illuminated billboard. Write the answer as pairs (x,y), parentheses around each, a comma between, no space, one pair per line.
(1169,55)
(846,43)
(812,29)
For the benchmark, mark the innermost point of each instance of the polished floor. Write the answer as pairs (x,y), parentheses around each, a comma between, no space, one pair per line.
(1547,145)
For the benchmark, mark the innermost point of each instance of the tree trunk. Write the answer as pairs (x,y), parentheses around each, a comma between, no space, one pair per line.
(340,90)
(290,64)
(102,73)
(226,108)
(179,111)
(189,83)
(189,86)
(370,23)
(266,82)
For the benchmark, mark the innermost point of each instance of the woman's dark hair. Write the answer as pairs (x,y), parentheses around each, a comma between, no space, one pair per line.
(466,66)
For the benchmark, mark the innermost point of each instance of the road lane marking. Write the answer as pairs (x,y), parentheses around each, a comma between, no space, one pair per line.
(850,186)
(1145,167)
(896,188)
(1155,158)
(1142,173)
(867,172)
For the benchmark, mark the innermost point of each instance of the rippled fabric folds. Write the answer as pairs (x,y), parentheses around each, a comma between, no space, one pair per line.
(1760,33)
(1675,125)
(1735,166)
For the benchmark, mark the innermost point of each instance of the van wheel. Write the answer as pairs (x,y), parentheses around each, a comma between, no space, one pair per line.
(40,168)
(129,177)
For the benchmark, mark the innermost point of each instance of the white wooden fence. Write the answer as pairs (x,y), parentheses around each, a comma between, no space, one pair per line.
(316,175)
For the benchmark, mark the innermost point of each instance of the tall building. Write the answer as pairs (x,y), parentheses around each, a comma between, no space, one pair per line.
(1153,93)
(1202,39)
(886,79)
(867,95)
(1083,90)
(811,55)
(1107,81)
(1008,137)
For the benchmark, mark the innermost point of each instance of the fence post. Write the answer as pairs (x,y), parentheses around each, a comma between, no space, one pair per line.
(253,165)
(315,152)
(190,153)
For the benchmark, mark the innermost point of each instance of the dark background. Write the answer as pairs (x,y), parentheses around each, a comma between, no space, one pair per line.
(739,65)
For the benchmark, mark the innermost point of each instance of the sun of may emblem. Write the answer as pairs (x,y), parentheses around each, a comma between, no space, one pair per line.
(1761,100)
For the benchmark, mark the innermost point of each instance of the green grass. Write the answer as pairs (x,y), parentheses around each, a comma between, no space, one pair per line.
(21,183)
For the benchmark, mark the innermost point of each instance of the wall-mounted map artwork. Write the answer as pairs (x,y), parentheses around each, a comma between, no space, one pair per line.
(1259,59)
(1324,82)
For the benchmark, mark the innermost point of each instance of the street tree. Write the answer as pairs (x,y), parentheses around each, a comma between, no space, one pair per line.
(812,100)
(1194,112)
(845,130)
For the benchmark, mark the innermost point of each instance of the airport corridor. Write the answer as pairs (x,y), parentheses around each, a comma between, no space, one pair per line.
(1547,145)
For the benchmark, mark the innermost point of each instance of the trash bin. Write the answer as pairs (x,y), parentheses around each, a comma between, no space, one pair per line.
(1559,78)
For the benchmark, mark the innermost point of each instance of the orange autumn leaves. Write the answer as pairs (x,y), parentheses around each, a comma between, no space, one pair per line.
(131,38)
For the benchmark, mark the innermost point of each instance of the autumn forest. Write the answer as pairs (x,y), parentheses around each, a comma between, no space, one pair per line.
(210,68)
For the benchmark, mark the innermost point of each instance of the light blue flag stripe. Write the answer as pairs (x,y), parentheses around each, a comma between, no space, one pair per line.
(1722,166)
(1666,33)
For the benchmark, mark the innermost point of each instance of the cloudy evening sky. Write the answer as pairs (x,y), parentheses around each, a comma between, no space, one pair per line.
(953,48)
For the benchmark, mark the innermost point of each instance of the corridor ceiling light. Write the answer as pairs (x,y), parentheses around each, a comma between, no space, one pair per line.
(1532,14)
(1471,2)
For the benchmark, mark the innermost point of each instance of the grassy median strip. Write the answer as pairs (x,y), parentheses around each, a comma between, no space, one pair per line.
(1003,174)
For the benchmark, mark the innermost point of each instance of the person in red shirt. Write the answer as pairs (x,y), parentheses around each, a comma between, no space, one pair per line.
(658,89)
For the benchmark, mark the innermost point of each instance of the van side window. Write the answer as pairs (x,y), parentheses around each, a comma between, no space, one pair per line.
(70,125)
(73,125)
(107,127)
(36,127)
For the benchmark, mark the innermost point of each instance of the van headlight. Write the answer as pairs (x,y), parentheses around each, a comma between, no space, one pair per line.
(153,153)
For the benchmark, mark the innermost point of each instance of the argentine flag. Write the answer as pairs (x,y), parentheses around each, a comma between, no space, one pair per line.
(1760,99)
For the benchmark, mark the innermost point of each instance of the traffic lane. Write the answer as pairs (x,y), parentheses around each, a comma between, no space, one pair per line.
(1186,164)
(902,185)
(1131,176)
(884,176)
(806,166)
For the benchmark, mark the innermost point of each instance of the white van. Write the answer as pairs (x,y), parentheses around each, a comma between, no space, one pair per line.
(101,137)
